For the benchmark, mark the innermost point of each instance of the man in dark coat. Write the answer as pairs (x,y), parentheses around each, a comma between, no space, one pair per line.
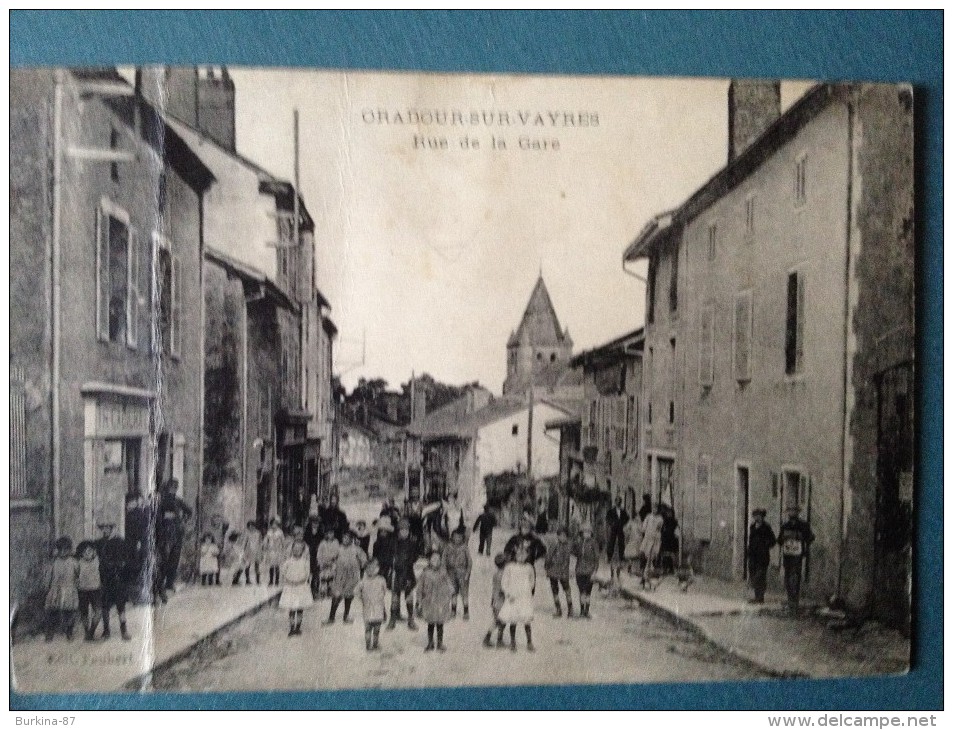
(535,549)
(138,517)
(313,535)
(406,549)
(761,539)
(333,518)
(646,509)
(616,520)
(794,538)
(113,561)
(485,523)
(171,515)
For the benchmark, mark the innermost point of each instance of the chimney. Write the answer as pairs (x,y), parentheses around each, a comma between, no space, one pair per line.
(419,403)
(203,98)
(752,108)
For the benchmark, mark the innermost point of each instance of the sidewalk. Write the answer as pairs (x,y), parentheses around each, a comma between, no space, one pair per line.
(766,635)
(159,635)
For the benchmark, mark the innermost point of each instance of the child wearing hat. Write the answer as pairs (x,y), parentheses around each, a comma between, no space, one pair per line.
(497,598)
(761,539)
(273,551)
(62,595)
(113,558)
(586,550)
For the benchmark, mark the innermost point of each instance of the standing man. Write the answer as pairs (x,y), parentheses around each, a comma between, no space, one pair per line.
(794,539)
(113,557)
(616,520)
(170,531)
(486,522)
(761,539)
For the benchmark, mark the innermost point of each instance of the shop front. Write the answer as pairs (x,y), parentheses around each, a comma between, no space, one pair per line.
(118,452)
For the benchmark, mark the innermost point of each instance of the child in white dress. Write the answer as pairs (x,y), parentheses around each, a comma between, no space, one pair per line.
(296,590)
(518,582)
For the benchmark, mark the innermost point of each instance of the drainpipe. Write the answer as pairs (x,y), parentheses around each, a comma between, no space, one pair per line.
(58,78)
(842,532)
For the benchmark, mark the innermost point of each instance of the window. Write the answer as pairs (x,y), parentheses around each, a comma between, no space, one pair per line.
(749,214)
(117,277)
(794,325)
(516,429)
(703,498)
(800,181)
(619,405)
(742,343)
(712,241)
(552,357)
(706,347)
(169,295)
(114,145)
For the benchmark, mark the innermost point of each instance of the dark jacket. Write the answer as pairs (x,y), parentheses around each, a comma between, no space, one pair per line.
(333,520)
(794,537)
(485,523)
(171,514)
(384,550)
(405,554)
(534,547)
(113,557)
(616,519)
(760,541)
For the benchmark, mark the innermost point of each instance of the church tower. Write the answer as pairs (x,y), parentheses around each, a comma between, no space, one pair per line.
(539,350)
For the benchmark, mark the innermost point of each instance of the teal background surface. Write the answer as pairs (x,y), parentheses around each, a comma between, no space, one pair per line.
(880,46)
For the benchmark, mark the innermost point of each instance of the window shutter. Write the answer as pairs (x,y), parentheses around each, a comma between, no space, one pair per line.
(102,275)
(799,362)
(703,498)
(176,306)
(706,356)
(132,302)
(18,471)
(743,336)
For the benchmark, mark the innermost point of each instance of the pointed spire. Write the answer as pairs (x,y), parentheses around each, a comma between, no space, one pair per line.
(540,325)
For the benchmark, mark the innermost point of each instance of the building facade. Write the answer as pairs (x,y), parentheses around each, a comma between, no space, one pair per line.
(106,249)
(260,222)
(779,341)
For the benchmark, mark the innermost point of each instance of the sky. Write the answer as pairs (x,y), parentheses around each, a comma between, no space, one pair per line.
(428,252)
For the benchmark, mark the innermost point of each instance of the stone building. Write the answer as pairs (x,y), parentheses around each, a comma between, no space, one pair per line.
(250,219)
(779,340)
(105,275)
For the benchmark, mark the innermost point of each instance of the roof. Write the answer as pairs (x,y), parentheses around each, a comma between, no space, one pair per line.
(162,137)
(249,275)
(329,326)
(453,422)
(540,325)
(268,183)
(783,129)
(563,422)
(627,344)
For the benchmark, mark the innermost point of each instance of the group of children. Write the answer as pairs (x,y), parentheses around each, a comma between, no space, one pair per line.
(90,581)
(240,554)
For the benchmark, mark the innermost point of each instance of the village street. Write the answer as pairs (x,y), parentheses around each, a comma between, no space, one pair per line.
(621,643)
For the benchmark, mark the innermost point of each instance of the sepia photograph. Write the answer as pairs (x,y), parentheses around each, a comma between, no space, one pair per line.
(327,380)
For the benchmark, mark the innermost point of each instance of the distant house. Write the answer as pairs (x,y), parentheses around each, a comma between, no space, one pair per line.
(106,248)
(475,437)
(600,443)
(779,341)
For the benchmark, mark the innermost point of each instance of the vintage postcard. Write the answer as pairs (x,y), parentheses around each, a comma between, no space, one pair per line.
(326,380)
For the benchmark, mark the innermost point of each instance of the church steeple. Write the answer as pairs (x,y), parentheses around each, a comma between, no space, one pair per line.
(539,349)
